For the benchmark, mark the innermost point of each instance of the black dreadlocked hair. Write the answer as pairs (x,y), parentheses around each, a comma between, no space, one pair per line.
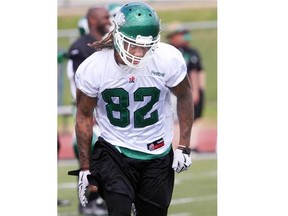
(105,43)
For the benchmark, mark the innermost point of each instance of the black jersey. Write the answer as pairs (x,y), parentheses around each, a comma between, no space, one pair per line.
(79,50)
(192,58)
(193,62)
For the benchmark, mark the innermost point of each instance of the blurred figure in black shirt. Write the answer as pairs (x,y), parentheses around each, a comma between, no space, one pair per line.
(98,22)
(181,40)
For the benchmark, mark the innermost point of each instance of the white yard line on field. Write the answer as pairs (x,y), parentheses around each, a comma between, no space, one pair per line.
(76,214)
(193,199)
(196,175)
(178,179)
(67,185)
(181,214)
(69,214)
(173,202)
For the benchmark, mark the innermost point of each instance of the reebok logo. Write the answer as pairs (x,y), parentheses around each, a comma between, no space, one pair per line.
(156,73)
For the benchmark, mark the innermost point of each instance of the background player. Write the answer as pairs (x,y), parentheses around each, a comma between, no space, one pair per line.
(181,39)
(92,27)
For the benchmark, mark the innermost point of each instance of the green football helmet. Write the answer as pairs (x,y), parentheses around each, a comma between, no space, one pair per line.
(113,8)
(136,24)
(83,25)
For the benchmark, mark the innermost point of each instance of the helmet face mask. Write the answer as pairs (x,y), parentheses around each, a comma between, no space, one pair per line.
(125,44)
(136,25)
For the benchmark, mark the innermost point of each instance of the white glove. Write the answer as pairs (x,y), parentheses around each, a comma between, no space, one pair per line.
(82,187)
(181,161)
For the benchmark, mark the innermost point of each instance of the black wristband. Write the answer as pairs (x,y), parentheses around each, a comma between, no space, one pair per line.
(185,150)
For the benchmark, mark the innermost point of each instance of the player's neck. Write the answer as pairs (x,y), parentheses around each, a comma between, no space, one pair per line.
(118,59)
(96,35)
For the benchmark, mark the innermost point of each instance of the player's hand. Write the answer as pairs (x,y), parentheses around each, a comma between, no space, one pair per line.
(181,161)
(82,187)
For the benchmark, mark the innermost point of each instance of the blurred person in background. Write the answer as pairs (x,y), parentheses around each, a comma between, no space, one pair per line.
(61,56)
(128,81)
(92,27)
(60,202)
(181,39)
(98,22)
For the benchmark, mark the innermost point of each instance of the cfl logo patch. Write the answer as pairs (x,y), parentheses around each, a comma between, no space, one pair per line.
(155,145)
(131,79)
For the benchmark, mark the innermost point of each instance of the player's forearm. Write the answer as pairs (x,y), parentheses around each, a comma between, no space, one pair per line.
(194,78)
(185,112)
(84,133)
(202,77)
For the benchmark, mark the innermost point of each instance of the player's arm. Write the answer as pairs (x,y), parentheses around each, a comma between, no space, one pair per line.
(84,127)
(202,78)
(195,79)
(185,110)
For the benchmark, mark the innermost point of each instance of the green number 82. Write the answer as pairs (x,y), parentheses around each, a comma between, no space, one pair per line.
(120,106)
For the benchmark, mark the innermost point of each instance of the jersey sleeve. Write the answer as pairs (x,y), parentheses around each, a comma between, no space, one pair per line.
(178,69)
(85,78)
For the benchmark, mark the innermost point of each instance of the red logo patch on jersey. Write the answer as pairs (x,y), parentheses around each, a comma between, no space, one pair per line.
(155,145)
(132,79)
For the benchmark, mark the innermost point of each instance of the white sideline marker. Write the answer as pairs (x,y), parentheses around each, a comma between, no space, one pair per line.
(193,199)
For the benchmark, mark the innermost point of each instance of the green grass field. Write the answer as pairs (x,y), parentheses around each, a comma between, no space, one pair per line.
(195,191)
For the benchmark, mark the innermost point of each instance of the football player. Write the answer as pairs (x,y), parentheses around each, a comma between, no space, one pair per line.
(128,81)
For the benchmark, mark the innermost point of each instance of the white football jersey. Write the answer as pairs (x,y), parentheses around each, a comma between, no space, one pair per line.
(134,107)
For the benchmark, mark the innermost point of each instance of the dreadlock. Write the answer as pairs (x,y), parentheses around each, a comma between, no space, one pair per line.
(105,43)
